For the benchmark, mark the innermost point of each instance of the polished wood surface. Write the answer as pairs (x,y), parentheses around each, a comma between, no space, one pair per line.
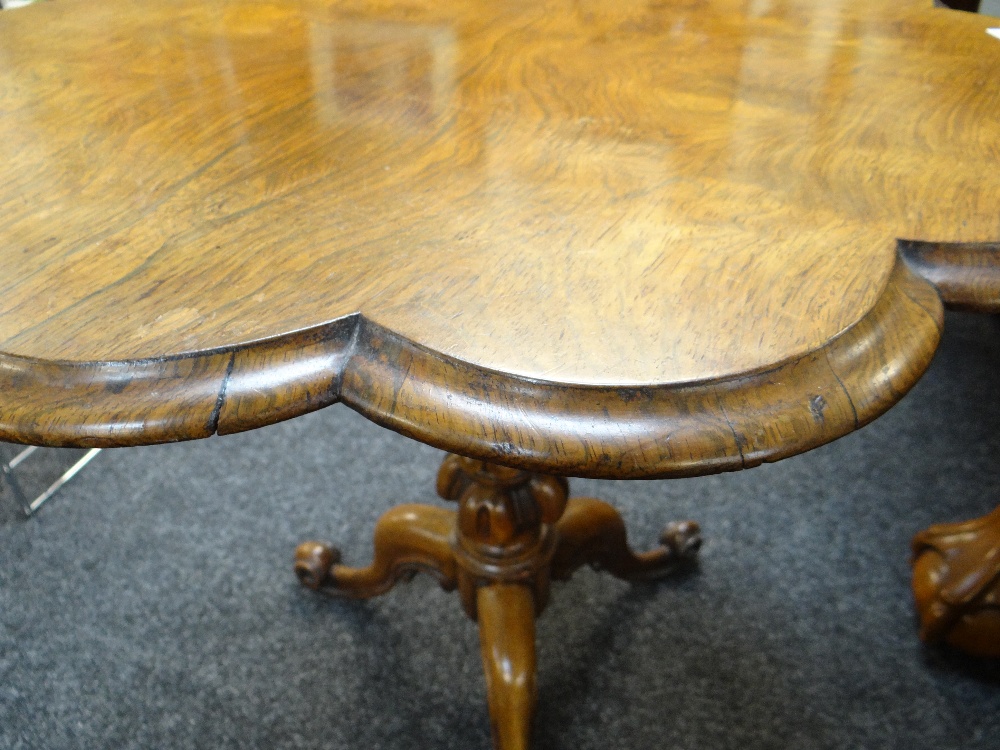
(967,276)
(621,239)
(507,643)
(615,239)
(513,533)
(602,431)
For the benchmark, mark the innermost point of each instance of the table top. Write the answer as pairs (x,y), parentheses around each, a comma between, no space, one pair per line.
(612,239)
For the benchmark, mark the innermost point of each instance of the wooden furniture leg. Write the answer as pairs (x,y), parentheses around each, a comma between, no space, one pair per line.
(513,532)
(408,539)
(593,532)
(507,641)
(956,583)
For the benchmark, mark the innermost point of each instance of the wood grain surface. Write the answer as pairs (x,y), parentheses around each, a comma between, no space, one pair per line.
(967,276)
(613,239)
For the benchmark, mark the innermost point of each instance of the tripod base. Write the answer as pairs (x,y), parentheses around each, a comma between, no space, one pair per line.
(512,534)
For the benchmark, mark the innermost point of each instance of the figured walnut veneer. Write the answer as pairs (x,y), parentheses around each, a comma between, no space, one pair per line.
(601,431)
(615,239)
(610,239)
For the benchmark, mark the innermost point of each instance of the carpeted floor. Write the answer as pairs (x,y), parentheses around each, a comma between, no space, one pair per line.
(152,604)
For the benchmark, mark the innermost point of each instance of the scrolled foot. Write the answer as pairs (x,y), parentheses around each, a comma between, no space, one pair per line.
(682,538)
(593,532)
(408,539)
(313,563)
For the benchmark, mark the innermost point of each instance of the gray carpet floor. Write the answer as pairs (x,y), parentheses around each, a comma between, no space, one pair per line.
(151,604)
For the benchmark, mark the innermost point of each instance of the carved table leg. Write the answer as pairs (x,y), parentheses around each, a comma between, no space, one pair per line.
(956,583)
(507,641)
(513,532)
(408,539)
(593,532)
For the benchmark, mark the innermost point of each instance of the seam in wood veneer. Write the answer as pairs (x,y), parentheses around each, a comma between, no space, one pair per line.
(737,439)
(847,393)
(923,307)
(221,400)
(350,351)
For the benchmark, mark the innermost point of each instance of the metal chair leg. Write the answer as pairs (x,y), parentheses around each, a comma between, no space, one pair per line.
(30,506)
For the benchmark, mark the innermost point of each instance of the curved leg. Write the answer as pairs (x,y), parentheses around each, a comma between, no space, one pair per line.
(408,539)
(593,532)
(956,584)
(507,641)
(513,532)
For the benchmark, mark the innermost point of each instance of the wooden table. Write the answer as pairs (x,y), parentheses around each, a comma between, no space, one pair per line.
(553,238)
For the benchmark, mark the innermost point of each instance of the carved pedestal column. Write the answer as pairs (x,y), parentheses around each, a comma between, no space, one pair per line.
(503,545)
(514,532)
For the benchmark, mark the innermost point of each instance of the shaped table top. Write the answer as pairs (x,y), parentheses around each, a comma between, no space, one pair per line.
(618,239)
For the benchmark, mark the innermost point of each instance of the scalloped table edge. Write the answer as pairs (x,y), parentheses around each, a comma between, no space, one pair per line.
(596,431)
